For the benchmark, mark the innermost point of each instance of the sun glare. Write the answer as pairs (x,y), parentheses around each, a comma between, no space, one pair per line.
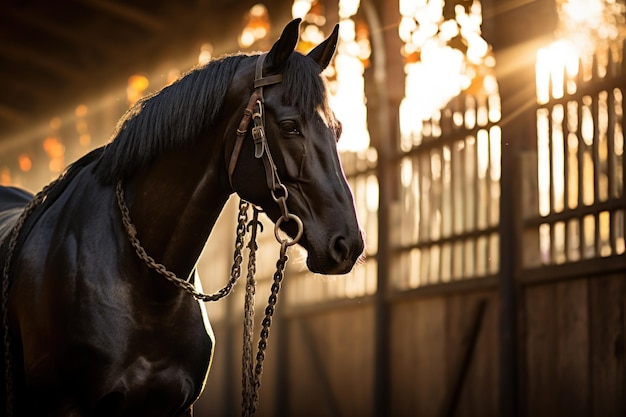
(586,27)
(257,26)
(442,59)
(557,65)
(345,74)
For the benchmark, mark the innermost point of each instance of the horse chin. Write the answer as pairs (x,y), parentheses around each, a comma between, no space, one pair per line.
(313,267)
(338,269)
(323,263)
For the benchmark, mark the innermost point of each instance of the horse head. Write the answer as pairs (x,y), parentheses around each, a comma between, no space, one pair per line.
(301,133)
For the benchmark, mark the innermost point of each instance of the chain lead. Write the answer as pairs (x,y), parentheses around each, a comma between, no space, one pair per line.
(162,270)
(247,370)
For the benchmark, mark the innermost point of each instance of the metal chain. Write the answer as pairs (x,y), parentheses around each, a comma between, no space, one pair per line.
(162,270)
(6,282)
(247,364)
(251,396)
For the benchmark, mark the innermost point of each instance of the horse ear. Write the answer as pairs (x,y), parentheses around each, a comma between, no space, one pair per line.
(284,46)
(323,53)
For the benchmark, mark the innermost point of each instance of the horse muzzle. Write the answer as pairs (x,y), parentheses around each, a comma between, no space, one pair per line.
(338,257)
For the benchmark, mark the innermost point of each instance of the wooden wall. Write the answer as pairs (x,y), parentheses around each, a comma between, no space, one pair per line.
(317,364)
(445,356)
(573,351)
(443,361)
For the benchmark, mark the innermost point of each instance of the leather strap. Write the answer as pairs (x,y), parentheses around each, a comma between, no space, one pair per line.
(254,110)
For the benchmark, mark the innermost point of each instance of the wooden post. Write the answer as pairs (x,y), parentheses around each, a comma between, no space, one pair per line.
(384,88)
(515,30)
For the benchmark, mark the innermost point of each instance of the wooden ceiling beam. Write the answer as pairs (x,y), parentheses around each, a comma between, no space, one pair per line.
(12,114)
(128,13)
(34,88)
(20,53)
(61,32)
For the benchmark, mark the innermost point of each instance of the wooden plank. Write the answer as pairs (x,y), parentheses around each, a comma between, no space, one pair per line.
(352,366)
(331,364)
(482,380)
(572,348)
(418,361)
(529,207)
(457,323)
(304,384)
(607,334)
(540,331)
(477,393)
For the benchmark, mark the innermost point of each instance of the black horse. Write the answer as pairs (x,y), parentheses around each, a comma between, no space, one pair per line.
(94,331)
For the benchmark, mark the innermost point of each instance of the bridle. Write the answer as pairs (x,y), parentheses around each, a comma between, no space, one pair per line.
(255,111)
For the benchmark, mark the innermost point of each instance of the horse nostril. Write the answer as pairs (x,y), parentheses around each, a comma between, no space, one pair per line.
(339,249)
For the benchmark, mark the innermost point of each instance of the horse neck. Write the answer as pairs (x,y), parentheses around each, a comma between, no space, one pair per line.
(179,198)
(176,202)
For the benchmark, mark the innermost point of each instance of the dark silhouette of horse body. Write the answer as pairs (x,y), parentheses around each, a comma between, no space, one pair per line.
(94,331)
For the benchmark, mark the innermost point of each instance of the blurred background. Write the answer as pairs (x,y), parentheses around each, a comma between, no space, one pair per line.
(484,144)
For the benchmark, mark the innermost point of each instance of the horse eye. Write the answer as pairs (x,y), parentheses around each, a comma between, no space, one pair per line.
(289,127)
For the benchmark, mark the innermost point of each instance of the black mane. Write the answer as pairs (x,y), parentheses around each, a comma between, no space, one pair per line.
(176,115)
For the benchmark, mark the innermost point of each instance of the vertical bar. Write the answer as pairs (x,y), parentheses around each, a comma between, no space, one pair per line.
(551,192)
(610,137)
(566,167)
(622,86)
(581,154)
(595,153)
